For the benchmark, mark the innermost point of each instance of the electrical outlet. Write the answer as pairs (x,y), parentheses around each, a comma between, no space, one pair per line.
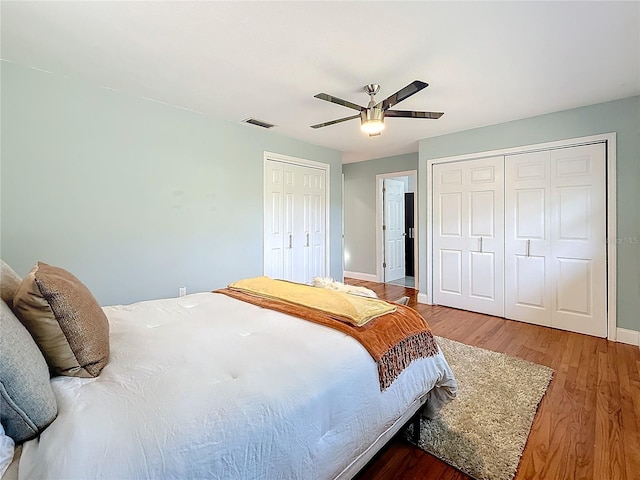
(182,291)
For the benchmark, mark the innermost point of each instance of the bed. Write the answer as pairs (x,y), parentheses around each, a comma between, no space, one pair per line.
(209,386)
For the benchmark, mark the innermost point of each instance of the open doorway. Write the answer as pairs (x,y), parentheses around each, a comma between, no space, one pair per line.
(396,235)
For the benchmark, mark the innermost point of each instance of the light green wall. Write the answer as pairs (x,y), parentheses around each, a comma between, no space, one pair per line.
(134,197)
(360,208)
(620,116)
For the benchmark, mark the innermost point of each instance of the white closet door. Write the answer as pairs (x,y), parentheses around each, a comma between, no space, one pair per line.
(555,238)
(449,237)
(273,220)
(393,229)
(578,239)
(527,238)
(294,215)
(294,222)
(314,224)
(468,236)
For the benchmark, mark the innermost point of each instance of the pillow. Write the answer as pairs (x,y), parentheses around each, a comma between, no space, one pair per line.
(9,283)
(402,301)
(65,321)
(27,403)
(331,284)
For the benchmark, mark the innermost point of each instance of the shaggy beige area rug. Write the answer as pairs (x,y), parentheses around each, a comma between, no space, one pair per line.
(483,431)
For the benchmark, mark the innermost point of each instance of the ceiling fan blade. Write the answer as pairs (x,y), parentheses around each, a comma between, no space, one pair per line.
(332,122)
(339,101)
(410,114)
(402,94)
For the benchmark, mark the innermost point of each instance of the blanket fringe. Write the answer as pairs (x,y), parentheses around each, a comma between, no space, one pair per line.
(398,357)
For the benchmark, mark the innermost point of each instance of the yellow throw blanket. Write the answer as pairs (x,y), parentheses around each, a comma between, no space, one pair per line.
(349,308)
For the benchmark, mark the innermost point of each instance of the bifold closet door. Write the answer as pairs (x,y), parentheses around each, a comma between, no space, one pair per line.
(468,235)
(528,281)
(274,237)
(294,226)
(555,238)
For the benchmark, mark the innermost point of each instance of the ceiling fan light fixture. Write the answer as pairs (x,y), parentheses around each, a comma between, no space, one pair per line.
(372,116)
(372,120)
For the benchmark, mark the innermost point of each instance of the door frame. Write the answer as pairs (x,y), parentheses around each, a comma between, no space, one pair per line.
(303,162)
(609,139)
(379,221)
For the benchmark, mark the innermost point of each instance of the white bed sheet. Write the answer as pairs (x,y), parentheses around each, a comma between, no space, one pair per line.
(206,386)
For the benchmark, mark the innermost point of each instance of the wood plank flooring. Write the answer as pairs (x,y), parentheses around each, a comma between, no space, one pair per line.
(588,423)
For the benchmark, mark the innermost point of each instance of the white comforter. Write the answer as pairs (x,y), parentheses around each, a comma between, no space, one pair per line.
(206,386)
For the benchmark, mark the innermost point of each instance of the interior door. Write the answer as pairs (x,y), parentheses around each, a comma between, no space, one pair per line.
(468,235)
(393,227)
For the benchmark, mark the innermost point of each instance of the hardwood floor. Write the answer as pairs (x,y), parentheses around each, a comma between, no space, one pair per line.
(588,423)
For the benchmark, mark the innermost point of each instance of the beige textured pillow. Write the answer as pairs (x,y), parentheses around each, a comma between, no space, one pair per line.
(65,320)
(9,283)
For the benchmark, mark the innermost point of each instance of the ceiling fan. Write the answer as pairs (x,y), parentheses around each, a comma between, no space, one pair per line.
(372,116)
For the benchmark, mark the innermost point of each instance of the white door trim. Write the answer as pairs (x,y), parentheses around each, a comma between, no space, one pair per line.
(379,241)
(610,140)
(305,163)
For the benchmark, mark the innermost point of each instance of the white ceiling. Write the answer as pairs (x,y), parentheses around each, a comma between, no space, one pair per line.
(486,62)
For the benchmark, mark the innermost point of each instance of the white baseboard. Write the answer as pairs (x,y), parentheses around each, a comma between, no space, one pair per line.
(423,298)
(361,276)
(630,337)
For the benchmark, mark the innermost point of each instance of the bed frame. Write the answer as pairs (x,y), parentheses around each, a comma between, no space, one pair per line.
(411,416)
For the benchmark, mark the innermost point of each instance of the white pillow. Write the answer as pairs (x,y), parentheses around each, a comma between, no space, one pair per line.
(331,284)
(6,451)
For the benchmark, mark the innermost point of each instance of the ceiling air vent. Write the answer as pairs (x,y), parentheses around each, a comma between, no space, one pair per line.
(258,123)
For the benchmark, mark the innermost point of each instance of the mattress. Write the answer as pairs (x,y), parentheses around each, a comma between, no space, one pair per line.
(206,386)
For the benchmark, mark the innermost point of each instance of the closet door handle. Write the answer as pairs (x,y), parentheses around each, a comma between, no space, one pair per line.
(480,244)
(307,240)
(528,247)
(290,239)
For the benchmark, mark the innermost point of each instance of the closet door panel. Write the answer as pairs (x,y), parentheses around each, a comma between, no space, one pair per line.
(273,220)
(574,287)
(450,278)
(485,236)
(307,249)
(529,213)
(450,219)
(316,232)
(527,270)
(482,214)
(468,235)
(578,239)
(293,222)
(482,263)
(483,274)
(530,283)
(449,241)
